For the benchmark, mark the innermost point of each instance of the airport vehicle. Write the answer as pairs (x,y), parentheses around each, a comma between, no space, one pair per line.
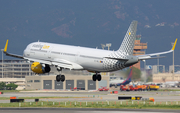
(141,87)
(128,88)
(152,87)
(171,83)
(103,89)
(162,85)
(133,88)
(178,84)
(124,88)
(121,82)
(43,55)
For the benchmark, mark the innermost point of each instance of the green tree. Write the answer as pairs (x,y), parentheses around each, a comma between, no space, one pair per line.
(136,74)
(149,79)
(2,85)
(11,86)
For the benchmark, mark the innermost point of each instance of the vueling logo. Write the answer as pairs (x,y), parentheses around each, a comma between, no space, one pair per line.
(37,46)
(41,46)
(46,47)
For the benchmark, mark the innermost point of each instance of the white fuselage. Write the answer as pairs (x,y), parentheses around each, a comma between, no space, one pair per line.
(89,58)
(117,81)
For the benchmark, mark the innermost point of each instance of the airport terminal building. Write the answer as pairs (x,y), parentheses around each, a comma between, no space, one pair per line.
(19,72)
(81,82)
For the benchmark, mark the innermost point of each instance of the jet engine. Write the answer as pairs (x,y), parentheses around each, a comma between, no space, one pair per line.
(39,68)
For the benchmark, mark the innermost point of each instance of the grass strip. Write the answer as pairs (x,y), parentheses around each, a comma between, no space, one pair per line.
(9,91)
(168,89)
(99,104)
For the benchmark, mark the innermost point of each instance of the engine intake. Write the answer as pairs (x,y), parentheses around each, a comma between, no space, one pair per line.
(38,68)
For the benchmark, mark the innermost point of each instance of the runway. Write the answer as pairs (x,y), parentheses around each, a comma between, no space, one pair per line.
(82,110)
(159,96)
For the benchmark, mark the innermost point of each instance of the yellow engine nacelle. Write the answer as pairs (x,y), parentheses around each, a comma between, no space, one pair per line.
(38,68)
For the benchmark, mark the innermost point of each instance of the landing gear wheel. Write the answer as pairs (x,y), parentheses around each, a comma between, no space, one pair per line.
(98,77)
(94,77)
(62,78)
(58,78)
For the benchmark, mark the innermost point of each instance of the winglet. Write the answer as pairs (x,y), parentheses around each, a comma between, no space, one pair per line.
(174,45)
(5,48)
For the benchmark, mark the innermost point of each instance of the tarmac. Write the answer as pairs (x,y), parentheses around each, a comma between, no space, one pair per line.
(159,96)
(89,96)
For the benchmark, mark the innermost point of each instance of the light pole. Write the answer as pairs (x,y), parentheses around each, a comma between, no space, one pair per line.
(108,45)
(144,68)
(2,62)
(172,43)
(103,46)
(158,64)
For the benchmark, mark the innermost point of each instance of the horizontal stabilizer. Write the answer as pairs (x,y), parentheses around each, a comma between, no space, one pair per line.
(117,59)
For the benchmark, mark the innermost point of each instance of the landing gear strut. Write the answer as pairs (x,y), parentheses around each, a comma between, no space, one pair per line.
(96,77)
(60,77)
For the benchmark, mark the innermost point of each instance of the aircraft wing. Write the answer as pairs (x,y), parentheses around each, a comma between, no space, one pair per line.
(66,64)
(57,62)
(9,54)
(149,56)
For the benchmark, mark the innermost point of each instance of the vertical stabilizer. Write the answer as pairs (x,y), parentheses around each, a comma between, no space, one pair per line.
(127,45)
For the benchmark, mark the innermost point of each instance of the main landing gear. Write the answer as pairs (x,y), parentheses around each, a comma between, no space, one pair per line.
(60,77)
(96,76)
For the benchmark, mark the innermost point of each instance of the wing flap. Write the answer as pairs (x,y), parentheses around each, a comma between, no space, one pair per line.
(62,65)
(38,60)
(66,64)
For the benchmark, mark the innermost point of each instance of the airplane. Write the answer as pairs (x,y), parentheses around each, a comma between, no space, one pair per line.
(121,82)
(43,55)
